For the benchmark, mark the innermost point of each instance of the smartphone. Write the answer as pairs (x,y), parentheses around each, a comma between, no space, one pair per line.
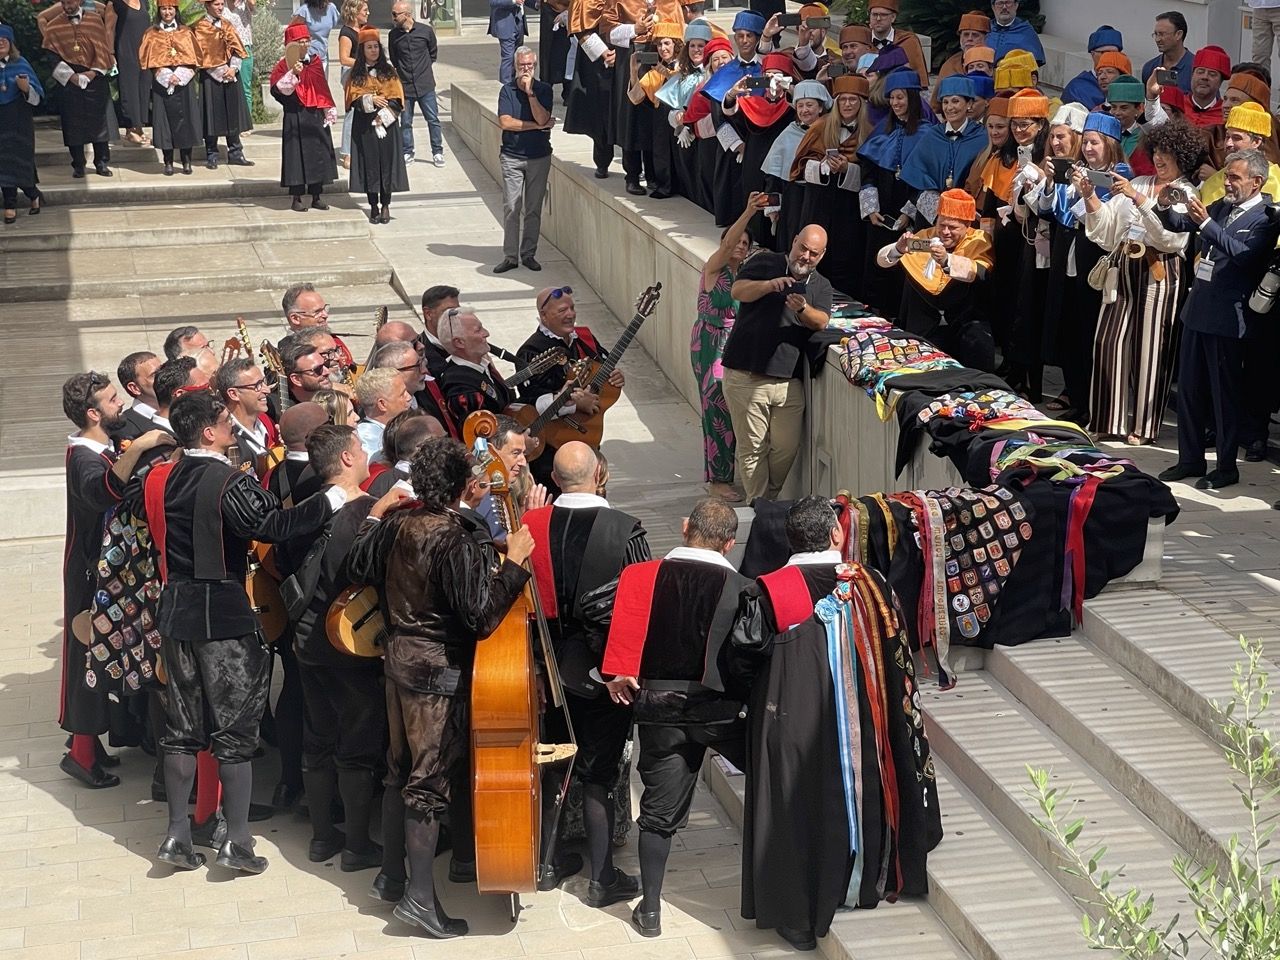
(833,153)
(798,288)
(818,23)
(1025,154)
(1099,178)
(1166,76)
(646,58)
(918,246)
(836,70)
(757,83)
(773,199)
(789,19)
(1062,169)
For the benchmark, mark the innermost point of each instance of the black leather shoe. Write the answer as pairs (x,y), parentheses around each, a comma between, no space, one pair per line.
(212,833)
(353,860)
(186,167)
(77,173)
(321,850)
(1180,471)
(634,188)
(621,887)
(387,889)
(660,195)
(297,206)
(212,163)
(385,216)
(180,855)
(318,204)
(461,871)
(103,170)
(1256,452)
(602,174)
(551,875)
(261,811)
(648,924)
(168,169)
(799,939)
(431,919)
(285,796)
(240,160)
(95,778)
(505,265)
(532,264)
(36,205)
(1217,479)
(235,857)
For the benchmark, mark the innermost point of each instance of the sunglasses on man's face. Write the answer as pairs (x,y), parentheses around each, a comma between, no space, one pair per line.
(555,294)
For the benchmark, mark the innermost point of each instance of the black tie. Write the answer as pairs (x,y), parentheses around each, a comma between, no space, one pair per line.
(953,134)
(880,44)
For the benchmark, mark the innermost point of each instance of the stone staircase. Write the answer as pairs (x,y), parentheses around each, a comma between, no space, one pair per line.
(1121,712)
(112,264)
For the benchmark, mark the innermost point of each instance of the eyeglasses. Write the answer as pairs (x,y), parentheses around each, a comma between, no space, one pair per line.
(411,368)
(323,308)
(555,294)
(315,371)
(1023,124)
(256,385)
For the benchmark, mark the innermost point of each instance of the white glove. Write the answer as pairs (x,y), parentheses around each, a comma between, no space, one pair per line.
(685,137)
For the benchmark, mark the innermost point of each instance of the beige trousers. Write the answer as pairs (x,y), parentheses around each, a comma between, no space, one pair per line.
(768,416)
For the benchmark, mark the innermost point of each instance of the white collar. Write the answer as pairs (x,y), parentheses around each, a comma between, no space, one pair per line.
(698,555)
(960,129)
(216,22)
(432,338)
(827,558)
(75,440)
(258,431)
(299,455)
(1217,99)
(210,454)
(1250,203)
(542,329)
(887,38)
(580,501)
(144,409)
(402,466)
(162,422)
(169,27)
(454,358)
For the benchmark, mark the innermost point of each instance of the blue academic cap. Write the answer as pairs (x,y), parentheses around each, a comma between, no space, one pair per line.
(749,20)
(1106,36)
(1104,124)
(957,85)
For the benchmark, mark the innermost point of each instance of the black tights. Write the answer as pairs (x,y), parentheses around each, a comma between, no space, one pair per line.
(315,189)
(11,196)
(383,198)
(654,850)
(597,819)
(185,153)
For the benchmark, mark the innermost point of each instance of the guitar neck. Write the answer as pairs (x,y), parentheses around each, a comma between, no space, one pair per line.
(552,411)
(619,347)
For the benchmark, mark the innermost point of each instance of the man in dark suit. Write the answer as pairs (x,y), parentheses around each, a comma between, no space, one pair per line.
(136,374)
(507,23)
(1237,238)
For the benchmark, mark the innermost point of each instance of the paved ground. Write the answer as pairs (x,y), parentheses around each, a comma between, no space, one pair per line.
(76,880)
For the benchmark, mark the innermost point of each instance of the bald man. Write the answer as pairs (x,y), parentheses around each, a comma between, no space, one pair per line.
(392,331)
(582,543)
(783,301)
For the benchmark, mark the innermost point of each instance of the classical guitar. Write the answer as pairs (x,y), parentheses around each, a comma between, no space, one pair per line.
(355,624)
(594,376)
(526,414)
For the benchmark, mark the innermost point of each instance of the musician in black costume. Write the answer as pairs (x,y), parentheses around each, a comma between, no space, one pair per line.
(202,513)
(441,594)
(558,328)
(136,374)
(436,301)
(583,544)
(404,436)
(345,714)
(470,381)
(293,480)
(670,619)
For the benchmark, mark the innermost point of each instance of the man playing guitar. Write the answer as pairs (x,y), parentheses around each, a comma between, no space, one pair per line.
(557,327)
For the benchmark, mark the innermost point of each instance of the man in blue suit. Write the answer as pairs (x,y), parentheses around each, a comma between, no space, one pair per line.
(507,23)
(1237,240)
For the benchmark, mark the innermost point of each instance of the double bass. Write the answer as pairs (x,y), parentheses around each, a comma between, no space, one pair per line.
(507,757)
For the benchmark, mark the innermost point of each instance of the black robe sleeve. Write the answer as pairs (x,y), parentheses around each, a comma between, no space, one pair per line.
(478,598)
(255,514)
(367,561)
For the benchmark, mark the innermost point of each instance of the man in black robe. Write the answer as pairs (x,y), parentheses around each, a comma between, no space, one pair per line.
(670,619)
(558,328)
(436,301)
(589,92)
(841,804)
(470,381)
(82,53)
(202,513)
(92,404)
(583,544)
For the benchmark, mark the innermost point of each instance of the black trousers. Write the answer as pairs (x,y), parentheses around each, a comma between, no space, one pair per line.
(101,155)
(1260,390)
(1210,391)
(670,760)
(601,727)
(344,717)
(960,330)
(215,696)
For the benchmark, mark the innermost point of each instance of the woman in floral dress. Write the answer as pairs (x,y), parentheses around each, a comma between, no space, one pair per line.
(716,311)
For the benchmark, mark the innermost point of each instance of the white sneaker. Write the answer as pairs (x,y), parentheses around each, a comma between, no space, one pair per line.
(438,159)
(408,158)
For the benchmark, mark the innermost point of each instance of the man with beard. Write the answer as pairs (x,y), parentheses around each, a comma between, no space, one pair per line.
(92,404)
(783,301)
(136,374)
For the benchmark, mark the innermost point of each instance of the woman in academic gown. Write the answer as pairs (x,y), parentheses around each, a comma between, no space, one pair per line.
(133,81)
(666,40)
(1029,128)
(946,150)
(698,118)
(168,52)
(990,184)
(811,103)
(826,171)
(758,120)
(374,92)
(884,192)
(20,91)
(307,160)
(675,95)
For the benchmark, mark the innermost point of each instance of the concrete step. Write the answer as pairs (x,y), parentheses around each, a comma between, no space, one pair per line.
(987,739)
(879,934)
(233,221)
(186,268)
(1172,771)
(1175,651)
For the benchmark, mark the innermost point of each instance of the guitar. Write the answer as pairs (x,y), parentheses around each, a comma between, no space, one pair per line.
(239,344)
(526,414)
(592,375)
(355,624)
(263,589)
(539,364)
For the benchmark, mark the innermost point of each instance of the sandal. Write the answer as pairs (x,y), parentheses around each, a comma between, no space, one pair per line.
(724,491)
(1058,404)
(346,162)
(1134,440)
(134,138)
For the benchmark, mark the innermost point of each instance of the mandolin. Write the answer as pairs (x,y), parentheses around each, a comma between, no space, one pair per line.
(592,375)
(355,624)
